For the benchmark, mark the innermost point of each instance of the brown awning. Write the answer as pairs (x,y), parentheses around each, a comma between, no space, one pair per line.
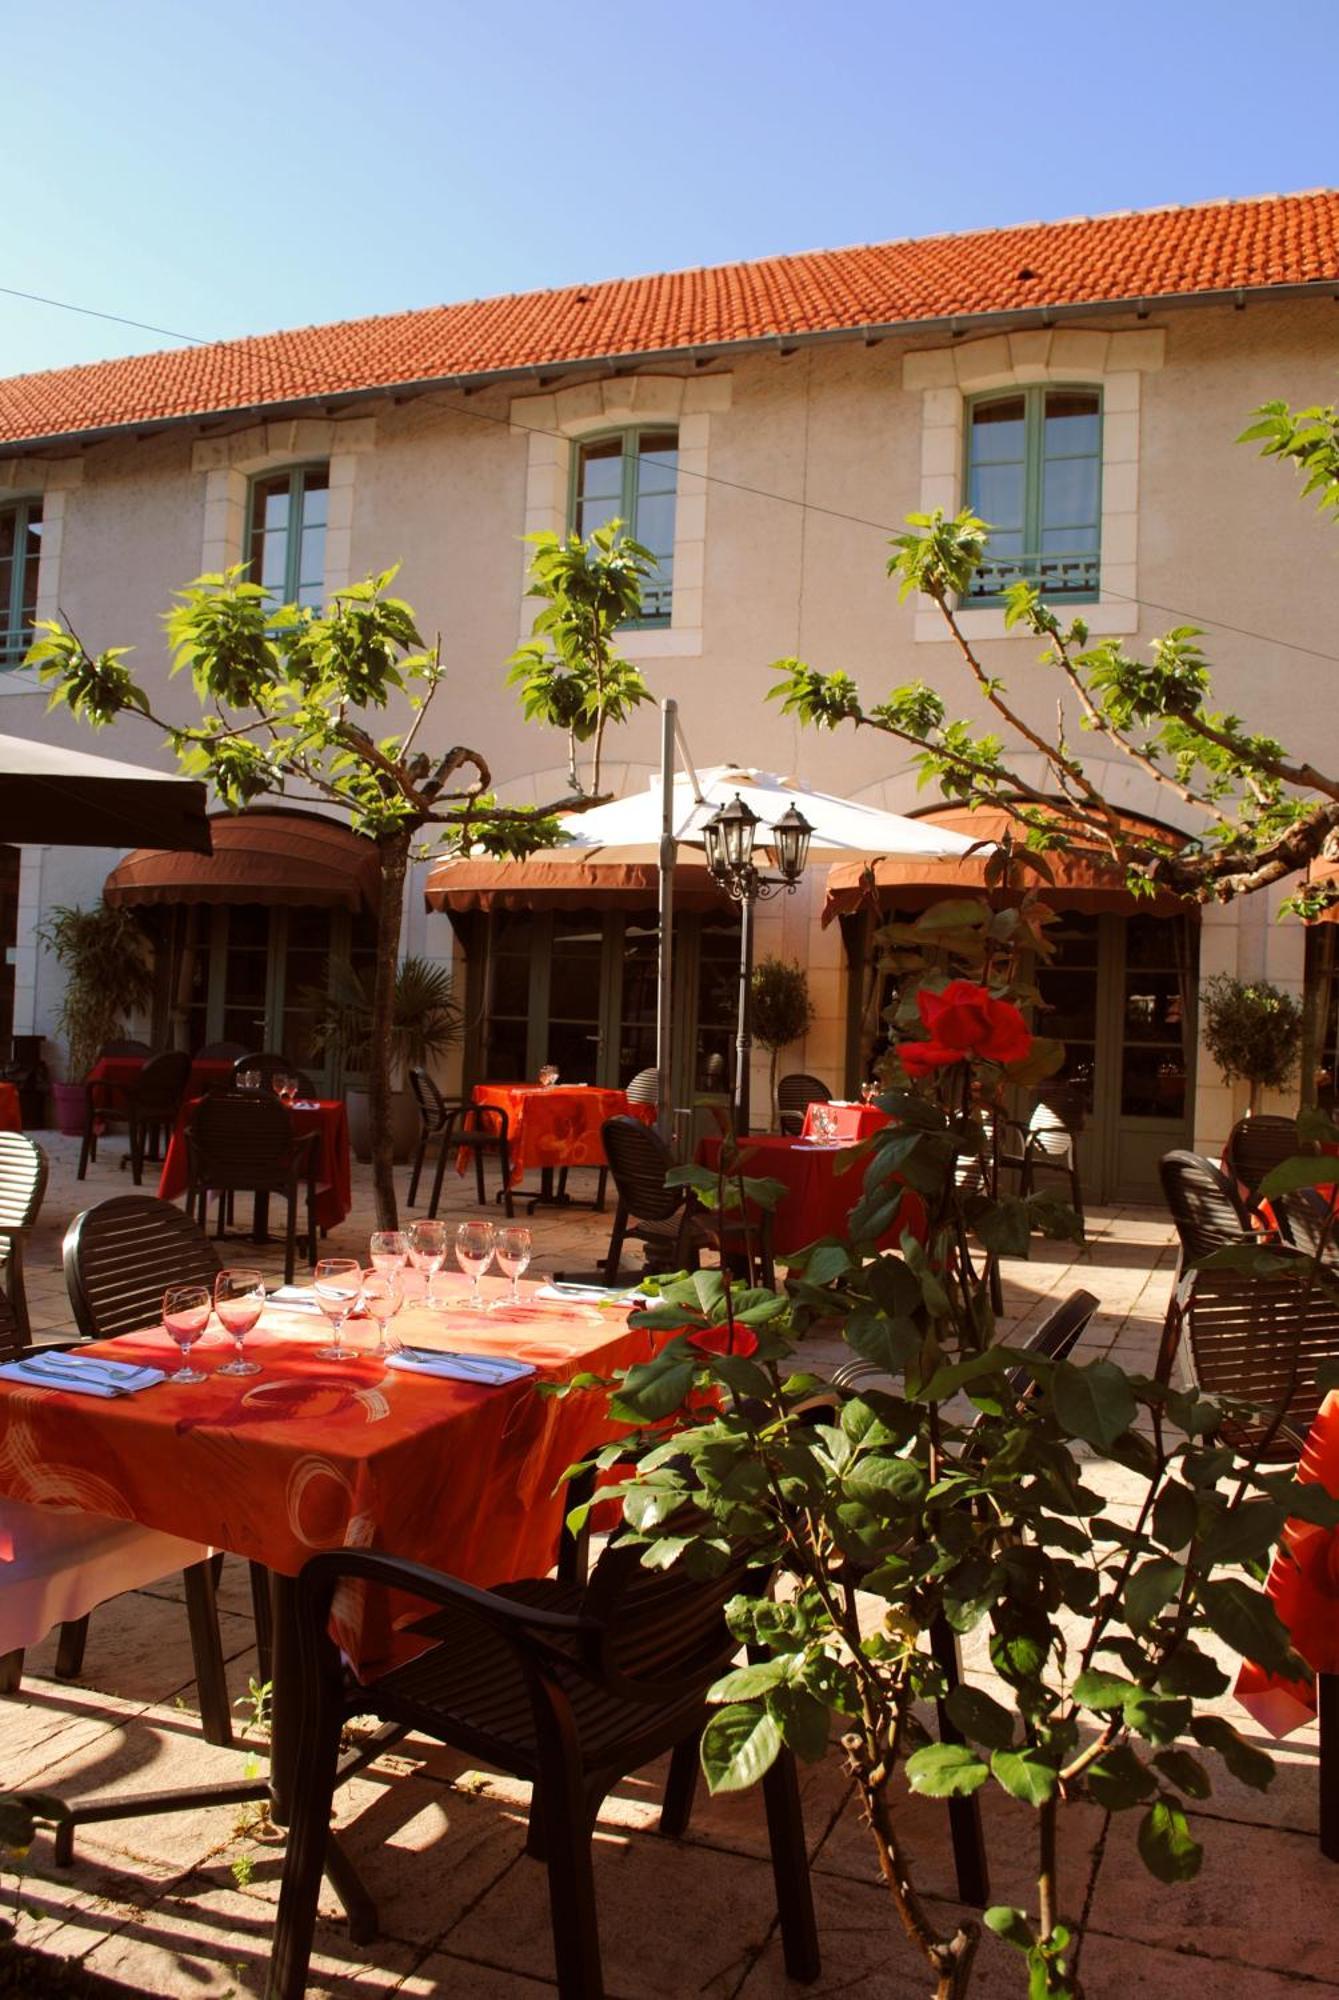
(259,857)
(1080,882)
(559,879)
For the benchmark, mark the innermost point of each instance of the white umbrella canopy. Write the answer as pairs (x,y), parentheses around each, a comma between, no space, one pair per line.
(841,826)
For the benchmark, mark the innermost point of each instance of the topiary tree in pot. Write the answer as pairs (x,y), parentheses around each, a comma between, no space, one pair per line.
(107,979)
(780,1010)
(1252,1030)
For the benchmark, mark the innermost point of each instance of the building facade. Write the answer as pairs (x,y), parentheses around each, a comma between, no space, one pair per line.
(765,430)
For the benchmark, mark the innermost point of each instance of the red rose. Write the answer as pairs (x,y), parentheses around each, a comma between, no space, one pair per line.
(716,1340)
(965,1022)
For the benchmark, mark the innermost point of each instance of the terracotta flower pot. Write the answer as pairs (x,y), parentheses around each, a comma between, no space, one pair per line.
(404,1124)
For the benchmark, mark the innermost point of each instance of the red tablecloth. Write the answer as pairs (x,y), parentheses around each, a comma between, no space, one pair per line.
(1304,1584)
(334,1175)
(852,1122)
(113,1070)
(558,1126)
(314,1454)
(824,1182)
(11,1119)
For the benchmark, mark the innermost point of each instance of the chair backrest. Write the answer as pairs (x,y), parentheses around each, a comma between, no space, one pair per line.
(431,1104)
(639,1159)
(1049,1135)
(219,1052)
(1066,1103)
(1255,1145)
(1054,1339)
(12,1343)
(794,1094)
(125,1048)
(122,1254)
(1306,1219)
(661,1625)
(644,1088)
(1205,1206)
(1261,1339)
(240,1139)
(160,1086)
(23,1178)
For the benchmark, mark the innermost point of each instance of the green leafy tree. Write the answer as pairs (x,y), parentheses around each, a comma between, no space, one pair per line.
(1252,1030)
(286,698)
(960,1486)
(780,1010)
(570,673)
(104,953)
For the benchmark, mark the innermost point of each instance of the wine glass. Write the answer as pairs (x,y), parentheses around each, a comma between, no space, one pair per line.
(389,1251)
(474,1253)
(824,1125)
(286,1089)
(382,1299)
(337,1282)
(548,1075)
(427,1252)
(186,1311)
(239,1301)
(514,1246)
(248,1079)
(868,1092)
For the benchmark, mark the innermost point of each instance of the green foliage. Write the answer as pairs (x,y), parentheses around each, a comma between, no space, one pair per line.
(104,952)
(426,1017)
(569,673)
(1309,439)
(780,1009)
(1251,1029)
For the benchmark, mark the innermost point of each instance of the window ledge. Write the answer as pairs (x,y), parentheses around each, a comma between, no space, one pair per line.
(662,642)
(1104,621)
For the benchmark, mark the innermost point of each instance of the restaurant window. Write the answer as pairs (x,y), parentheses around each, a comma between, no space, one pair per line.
(285,540)
(1034,475)
(20,556)
(633,477)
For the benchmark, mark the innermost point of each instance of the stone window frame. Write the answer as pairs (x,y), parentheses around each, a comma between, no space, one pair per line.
(231,463)
(1112,362)
(51,481)
(557,421)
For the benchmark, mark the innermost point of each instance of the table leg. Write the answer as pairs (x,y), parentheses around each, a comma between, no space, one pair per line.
(1327,1710)
(260,1220)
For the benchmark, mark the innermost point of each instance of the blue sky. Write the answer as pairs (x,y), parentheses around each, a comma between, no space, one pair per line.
(219,171)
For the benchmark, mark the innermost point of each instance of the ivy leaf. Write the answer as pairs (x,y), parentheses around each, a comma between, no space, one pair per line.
(1175,1514)
(946,1771)
(805,1722)
(1025,1775)
(1248,1765)
(1093,1402)
(980,1717)
(1167,1847)
(746,1683)
(1189,1671)
(739,1745)
(1095,1689)
(1118,1780)
(1158,1717)
(890,1342)
(1186,1772)
(1150,1589)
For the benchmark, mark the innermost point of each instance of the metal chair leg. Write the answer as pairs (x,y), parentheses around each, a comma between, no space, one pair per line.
(211,1680)
(417,1169)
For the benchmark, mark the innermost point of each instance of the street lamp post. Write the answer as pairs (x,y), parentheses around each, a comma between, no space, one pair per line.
(729,835)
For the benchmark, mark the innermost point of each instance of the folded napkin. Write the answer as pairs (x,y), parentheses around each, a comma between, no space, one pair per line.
(591,1295)
(294,1298)
(80,1375)
(490,1371)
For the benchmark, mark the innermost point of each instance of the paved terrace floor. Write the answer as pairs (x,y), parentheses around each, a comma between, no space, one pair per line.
(183,1905)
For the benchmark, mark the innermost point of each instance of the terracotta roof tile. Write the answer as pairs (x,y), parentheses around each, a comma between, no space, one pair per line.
(1158,253)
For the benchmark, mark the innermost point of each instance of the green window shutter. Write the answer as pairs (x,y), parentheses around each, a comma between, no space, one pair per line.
(285,533)
(632,476)
(20,556)
(1033,472)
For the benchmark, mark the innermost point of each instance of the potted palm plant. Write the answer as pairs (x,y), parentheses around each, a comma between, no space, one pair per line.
(426,1022)
(107,979)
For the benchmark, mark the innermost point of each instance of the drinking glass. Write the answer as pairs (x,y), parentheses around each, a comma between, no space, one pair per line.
(389,1251)
(248,1079)
(868,1092)
(427,1252)
(337,1283)
(548,1075)
(185,1316)
(382,1299)
(285,1088)
(474,1253)
(239,1301)
(514,1246)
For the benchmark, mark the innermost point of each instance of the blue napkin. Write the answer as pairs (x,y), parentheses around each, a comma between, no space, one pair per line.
(79,1374)
(490,1371)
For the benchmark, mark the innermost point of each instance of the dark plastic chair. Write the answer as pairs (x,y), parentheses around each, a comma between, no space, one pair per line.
(671,1221)
(1307,1221)
(644,1088)
(149,1104)
(1255,1146)
(23,1178)
(432,1110)
(477,1129)
(1209,1215)
(220,1052)
(570,1687)
(794,1095)
(244,1143)
(124,1048)
(1047,1144)
(269,1065)
(1260,1340)
(119,1258)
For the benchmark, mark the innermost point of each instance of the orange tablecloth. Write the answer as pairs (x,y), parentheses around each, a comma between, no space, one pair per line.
(334,1175)
(825,1183)
(1304,1584)
(852,1122)
(11,1119)
(315,1454)
(558,1126)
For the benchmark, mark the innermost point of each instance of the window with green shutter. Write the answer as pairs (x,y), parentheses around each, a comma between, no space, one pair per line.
(20,557)
(632,476)
(285,535)
(1034,473)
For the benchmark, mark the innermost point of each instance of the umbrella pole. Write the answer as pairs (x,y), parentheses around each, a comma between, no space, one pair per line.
(665,989)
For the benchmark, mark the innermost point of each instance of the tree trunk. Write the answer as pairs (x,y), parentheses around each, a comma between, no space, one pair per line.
(394,862)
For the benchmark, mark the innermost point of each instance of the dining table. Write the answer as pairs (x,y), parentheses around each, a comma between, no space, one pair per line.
(849,1123)
(328,1118)
(460,1474)
(11,1113)
(207,1073)
(551,1127)
(823,1184)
